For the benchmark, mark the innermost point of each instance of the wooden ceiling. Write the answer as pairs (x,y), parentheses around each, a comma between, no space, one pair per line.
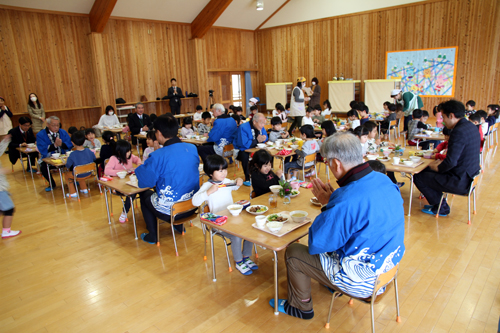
(240,14)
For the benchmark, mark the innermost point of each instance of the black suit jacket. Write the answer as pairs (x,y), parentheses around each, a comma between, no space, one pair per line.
(17,139)
(175,100)
(135,125)
(462,158)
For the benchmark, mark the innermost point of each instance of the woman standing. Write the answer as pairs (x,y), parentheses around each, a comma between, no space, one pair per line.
(297,106)
(36,112)
(316,96)
(5,122)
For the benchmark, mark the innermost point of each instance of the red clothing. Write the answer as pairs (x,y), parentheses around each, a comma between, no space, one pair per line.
(482,137)
(442,149)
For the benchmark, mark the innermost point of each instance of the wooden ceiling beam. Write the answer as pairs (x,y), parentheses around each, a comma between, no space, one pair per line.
(277,10)
(100,13)
(207,17)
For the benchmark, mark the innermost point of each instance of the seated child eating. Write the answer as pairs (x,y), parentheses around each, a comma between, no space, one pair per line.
(123,160)
(363,112)
(198,114)
(152,145)
(107,149)
(476,119)
(261,172)
(187,129)
(91,142)
(328,128)
(307,120)
(277,132)
(239,112)
(442,148)
(309,147)
(415,126)
(384,126)
(353,119)
(281,113)
(204,126)
(362,133)
(80,156)
(218,199)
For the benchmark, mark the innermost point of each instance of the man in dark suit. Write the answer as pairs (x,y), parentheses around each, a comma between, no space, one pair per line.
(20,137)
(455,173)
(139,122)
(175,95)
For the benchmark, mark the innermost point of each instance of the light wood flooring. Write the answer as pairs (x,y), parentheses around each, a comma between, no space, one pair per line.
(70,271)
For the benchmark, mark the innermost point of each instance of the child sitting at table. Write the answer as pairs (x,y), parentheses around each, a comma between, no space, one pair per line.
(236,118)
(442,148)
(79,156)
(415,126)
(107,149)
(384,125)
(327,128)
(353,119)
(152,145)
(204,126)
(6,204)
(439,117)
(327,108)
(493,111)
(362,133)
(187,128)
(218,198)
(261,173)
(484,125)
(363,112)
(425,117)
(239,113)
(198,114)
(317,117)
(476,118)
(275,111)
(307,120)
(91,142)
(310,146)
(469,108)
(253,111)
(277,131)
(123,160)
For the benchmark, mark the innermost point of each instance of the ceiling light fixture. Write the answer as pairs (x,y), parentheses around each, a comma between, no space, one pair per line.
(260,4)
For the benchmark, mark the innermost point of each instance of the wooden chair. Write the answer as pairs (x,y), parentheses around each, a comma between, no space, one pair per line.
(482,154)
(472,190)
(177,209)
(382,280)
(82,169)
(326,167)
(495,131)
(230,148)
(307,159)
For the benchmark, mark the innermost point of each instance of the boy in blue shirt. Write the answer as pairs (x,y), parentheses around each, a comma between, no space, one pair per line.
(80,156)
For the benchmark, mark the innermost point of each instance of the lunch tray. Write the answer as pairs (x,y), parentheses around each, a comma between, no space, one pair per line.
(287,226)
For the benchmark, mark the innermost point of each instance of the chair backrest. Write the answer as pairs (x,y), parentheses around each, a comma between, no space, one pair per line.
(393,122)
(86,168)
(268,127)
(228,147)
(310,158)
(384,278)
(181,207)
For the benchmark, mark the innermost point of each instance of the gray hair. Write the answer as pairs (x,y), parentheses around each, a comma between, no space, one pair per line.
(49,119)
(257,117)
(219,107)
(139,104)
(344,147)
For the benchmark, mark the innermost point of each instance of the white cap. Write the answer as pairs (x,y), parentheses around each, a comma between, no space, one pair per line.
(254,100)
(395,92)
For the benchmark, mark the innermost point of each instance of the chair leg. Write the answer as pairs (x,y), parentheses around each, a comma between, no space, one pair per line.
(158,232)
(398,317)
(255,249)
(468,208)
(334,296)
(110,202)
(77,189)
(351,301)
(227,254)
(204,230)
(440,203)
(173,234)
(474,200)
(372,317)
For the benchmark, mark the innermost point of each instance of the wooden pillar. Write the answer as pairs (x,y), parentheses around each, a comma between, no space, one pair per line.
(103,76)
(199,66)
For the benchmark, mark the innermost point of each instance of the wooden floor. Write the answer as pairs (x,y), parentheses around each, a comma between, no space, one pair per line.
(70,271)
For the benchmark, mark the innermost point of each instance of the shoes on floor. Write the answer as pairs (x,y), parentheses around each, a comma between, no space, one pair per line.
(180,228)
(247,183)
(12,233)
(430,212)
(123,217)
(243,268)
(293,179)
(74,195)
(143,237)
(49,189)
(253,266)
(84,191)
(400,184)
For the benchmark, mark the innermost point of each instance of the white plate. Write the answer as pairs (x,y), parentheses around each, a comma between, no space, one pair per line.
(293,196)
(315,203)
(403,165)
(279,214)
(383,159)
(259,213)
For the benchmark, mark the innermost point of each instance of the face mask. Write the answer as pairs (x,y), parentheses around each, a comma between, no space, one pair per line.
(33,99)
(314,83)
(111,113)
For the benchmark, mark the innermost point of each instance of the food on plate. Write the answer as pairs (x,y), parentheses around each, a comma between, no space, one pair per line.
(295,192)
(315,201)
(276,218)
(257,209)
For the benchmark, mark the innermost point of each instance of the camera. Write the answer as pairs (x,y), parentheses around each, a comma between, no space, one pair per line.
(211,93)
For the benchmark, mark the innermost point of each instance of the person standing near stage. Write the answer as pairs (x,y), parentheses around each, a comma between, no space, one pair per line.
(297,106)
(175,95)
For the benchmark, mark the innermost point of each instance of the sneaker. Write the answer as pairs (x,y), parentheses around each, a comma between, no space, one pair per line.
(123,217)
(247,183)
(293,179)
(84,191)
(430,212)
(250,264)
(428,206)
(12,233)
(74,195)
(400,184)
(243,268)
(143,237)
(48,189)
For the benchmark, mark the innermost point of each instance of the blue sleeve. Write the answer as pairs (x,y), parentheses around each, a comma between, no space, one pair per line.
(216,132)
(246,138)
(66,139)
(69,162)
(42,143)
(146,172)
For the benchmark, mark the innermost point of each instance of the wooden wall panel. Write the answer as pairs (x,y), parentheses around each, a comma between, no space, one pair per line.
(231,49)
(356,45)
(46,54)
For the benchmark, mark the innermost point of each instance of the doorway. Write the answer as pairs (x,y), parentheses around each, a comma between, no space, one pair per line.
(228,88)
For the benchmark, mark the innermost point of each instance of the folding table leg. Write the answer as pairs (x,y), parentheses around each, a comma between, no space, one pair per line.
(276,312)
(213,253)
(411,194)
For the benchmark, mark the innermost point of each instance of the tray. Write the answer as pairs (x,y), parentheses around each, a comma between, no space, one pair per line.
(414,165)
(287,226)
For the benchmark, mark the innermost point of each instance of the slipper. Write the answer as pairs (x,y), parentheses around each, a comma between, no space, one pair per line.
(281,304)
(430,212)
(144,235)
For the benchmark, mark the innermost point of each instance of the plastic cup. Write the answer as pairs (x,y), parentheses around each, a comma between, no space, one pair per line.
(396,160)
(260,221)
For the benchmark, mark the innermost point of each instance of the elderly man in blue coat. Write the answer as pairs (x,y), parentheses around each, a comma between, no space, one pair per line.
(223,133)
(50,140)
(354,239)
(249,135)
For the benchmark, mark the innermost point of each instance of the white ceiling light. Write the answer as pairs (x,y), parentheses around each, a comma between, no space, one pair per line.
(260,4)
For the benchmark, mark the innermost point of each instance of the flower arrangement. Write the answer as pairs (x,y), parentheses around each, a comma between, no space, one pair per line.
(286,188)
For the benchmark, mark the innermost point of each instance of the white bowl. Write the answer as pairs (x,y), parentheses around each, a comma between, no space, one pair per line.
(298,216)
(31,145)
(428,132)
(427,154)
(269,143)
(260,220)
(415,158)
(275,188)
(56,155)
(408,163)
(261,145)
(235,209)
(294,147)
(371,157)
(274,226)
(121,174)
